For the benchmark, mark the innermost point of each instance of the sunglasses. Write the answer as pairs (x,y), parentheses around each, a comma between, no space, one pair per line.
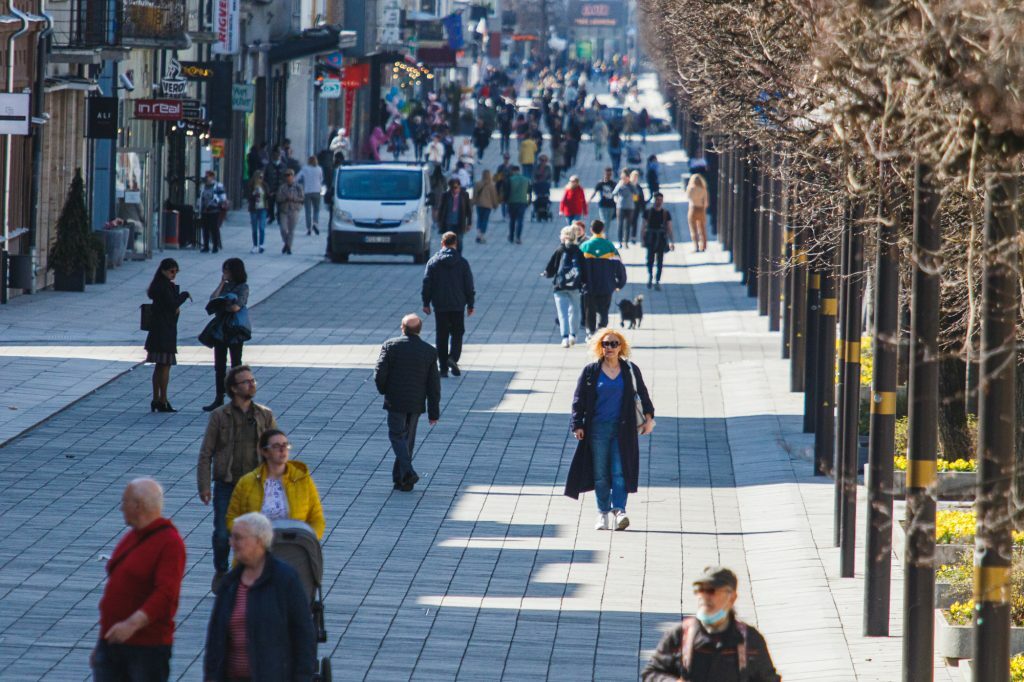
(609,344)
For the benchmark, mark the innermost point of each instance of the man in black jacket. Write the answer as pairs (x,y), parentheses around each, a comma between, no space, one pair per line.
(714,645)
(455,212)
(448,286)
(406,376)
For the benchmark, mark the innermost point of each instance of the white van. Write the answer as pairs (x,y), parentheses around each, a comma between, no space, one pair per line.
(381,208)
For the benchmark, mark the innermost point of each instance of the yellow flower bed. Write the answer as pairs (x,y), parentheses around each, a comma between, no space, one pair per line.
(960,613)
(956,527)
(867,360)
(1017,668)
(962,465)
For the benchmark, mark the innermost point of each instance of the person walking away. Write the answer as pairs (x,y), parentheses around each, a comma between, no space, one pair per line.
(407,376)
(643,120)
(607,429)
(311,179)
(420,135)
(565,267)
(599,135)
(279,487)
(558,159)
(697,213)
(256,160)
(261,627)
(211,201)
(290,198)
(574,201)
(234,290)
(455,211)
(486,199)
(657,238)
(653,174)
(448,288)
(505,126)
(228,452)
(639,204)
(624,207)
(518,200)
(481,138)
(541,180)
(604,192)
(603,275)
(527,154)
(162,339)
(274,176)
(501,176)
(258,195)
(713,645)
(140,599)
(615,149)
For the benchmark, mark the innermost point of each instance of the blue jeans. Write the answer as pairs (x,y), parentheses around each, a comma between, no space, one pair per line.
(258,219)
(516,213)
(483,217)
(311,202)
(609,483)
(128,663)
(567,304)
(607,215)
(570,219)
(528,170)
(221,497)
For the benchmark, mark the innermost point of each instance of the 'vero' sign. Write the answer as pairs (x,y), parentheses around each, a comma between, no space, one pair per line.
(160,109)
(226,19)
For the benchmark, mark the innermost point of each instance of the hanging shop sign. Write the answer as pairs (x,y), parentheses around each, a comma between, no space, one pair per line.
(243,97)
(330,88)
(333,59)
(217,148)
(159,109)
(196,71)
(101,113)
(355,76)
(225,24)
(172,84)
(436,57)
(598,13)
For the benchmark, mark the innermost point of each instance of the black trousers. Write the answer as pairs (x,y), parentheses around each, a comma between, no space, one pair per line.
(451,325)
(402,433)
(654,256)
(597,311)
(271,207)
(220,361)
(211,230)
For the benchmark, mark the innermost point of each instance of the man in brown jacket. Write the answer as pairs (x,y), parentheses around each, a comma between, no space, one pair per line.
(230,443)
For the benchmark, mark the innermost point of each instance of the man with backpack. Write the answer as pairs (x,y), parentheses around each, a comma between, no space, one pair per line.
(603,275)
(713,645)
(565,268)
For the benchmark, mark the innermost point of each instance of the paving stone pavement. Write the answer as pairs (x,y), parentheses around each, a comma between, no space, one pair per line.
(485,571)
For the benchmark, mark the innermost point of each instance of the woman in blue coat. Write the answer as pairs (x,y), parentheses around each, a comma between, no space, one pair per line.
(604,421)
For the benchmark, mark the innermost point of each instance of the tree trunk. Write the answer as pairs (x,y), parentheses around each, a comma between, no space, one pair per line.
(954,438)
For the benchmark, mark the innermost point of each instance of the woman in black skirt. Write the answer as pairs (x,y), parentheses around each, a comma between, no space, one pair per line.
(162,340)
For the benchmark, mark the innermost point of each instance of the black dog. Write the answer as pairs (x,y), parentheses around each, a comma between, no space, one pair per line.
(632,312)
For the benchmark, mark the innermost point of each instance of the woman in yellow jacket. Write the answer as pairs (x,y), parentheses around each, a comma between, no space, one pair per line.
(278,488)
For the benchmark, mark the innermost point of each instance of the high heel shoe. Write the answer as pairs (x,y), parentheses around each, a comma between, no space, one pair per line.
(166,407)
(153,406)
(217,402)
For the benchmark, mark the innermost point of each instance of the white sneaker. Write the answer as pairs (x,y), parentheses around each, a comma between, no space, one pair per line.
(621,520)
(254,249)
(565,342)
(572,340)
(602,522)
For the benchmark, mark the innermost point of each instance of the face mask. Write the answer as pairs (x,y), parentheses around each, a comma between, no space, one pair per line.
(709,619)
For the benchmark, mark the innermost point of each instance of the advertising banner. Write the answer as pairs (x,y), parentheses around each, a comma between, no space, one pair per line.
(159,109)
(598,13)
(101,113)
(226,25)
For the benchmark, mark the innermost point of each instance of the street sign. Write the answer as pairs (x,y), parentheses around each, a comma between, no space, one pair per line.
(330,88)
(192,110)
(243,97)
(14,109)
(196,71)
(156,109)
(101,113)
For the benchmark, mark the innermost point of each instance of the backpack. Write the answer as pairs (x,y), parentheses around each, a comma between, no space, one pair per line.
(690,634)
(568,275)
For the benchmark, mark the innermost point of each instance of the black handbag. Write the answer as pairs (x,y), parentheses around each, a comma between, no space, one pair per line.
(146,317)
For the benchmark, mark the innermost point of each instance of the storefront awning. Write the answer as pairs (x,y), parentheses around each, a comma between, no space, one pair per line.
(312,42)
(58,83)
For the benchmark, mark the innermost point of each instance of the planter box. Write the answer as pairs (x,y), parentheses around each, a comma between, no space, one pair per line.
(957,641)
(950,485)
(944,554)
(72,282)
(115,242)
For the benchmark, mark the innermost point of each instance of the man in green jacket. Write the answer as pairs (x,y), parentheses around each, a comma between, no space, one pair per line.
(518,200)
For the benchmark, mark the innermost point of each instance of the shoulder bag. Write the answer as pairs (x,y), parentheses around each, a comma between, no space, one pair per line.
(146,317)
(638,406)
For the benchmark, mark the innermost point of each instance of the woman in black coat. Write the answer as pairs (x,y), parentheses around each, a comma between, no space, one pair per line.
(604,421)
(162,340)
(233,281)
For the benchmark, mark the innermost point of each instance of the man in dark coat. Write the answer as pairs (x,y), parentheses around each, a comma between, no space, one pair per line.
(448,287)
(407,377)
(455,212)
(714,645)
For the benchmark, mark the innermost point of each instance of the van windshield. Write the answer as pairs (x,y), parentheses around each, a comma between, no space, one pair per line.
(365,184)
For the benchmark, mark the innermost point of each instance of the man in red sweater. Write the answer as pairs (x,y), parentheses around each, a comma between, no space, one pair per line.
(141,597)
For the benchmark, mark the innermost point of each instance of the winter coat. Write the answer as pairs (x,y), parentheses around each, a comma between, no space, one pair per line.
(218,446)
(584,401)
(303,498)
(714,657)
(603,271)
(407,376)
(274,174)
(448,282)
(280,636)
(290,198)
(574,202)
(486,195)
(444,209)
(518,189)
(167,297)
(212,198)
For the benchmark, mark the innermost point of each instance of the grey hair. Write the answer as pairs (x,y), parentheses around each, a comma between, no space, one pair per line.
(260,526)
(568,233)
(148,493)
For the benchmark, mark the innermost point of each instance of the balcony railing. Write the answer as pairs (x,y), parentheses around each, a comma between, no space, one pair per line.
(153,22)
(86,23)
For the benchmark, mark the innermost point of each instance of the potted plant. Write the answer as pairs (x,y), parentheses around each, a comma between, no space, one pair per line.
(73,254)
(99,247)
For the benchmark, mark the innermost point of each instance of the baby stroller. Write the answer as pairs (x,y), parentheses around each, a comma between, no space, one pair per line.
(542,201)
(295,544)
(633,155)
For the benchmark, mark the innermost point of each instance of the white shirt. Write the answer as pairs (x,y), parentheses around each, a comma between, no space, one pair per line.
(435,151)
(275,502)
(310,178)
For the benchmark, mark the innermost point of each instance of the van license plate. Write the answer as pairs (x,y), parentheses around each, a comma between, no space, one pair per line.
(378,240)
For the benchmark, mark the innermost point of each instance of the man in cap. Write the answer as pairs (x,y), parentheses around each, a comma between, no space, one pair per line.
(713,645)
